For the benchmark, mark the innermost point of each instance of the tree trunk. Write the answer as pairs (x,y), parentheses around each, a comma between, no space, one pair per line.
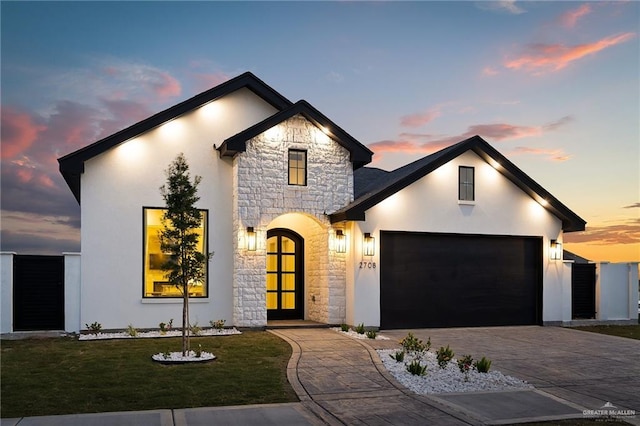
(185,319)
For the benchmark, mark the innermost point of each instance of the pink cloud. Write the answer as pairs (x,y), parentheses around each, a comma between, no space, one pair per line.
(419,119)
(205,81)
(501,131)
(569,19)
(19,131)
(554,57)
(552,154)
(165,85)
(120,114)
(427,144)
(72,126)
(489,71)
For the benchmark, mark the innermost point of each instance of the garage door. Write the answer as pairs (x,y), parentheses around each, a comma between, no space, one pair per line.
(451,280)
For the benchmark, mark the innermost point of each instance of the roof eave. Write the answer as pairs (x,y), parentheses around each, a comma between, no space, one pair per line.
(72,165)
(570,221)
(359,155)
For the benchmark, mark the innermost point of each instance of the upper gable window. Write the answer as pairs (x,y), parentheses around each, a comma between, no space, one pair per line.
(466,184)
(297,167)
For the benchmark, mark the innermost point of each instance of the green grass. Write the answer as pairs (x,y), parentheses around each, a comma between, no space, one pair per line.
(64,376)
(629,331)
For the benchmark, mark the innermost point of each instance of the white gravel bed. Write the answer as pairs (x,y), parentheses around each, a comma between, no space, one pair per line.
(190,356)
(155,334)
(448,379)
(355,335)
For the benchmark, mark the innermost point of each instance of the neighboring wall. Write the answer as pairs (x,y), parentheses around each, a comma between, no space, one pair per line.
(263,194)
(431,205)
(617,291)
(6,291)
(118,183)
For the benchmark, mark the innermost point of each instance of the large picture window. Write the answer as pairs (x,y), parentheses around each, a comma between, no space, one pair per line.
(297,167)
(155,283)
(466,190)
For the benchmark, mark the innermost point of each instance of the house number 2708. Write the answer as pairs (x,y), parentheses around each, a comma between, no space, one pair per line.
(368,265)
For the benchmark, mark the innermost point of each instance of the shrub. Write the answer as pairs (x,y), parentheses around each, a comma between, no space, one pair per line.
(165,327)
(344,327)
(199,351)
(416,368)
(131,331)
(94,327)
(444,355)
(218,324)
(413,344)
(195,329)
(359,328)
(465,363)
(371,334)
(483,365)
(398,356)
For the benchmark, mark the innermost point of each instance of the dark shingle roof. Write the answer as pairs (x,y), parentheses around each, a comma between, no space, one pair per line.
(385,185)
(567,255)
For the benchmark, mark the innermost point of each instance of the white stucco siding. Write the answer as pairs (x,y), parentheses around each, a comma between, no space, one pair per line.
(263,194)
(431,205)
(117,184)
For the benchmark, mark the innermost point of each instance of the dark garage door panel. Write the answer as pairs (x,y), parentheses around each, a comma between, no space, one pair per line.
(449,280)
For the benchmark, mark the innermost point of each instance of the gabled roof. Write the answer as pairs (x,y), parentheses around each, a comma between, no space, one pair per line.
(72,165)
(388,184)
(359,154)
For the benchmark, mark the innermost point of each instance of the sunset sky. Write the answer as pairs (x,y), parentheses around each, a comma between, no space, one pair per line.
(554,86)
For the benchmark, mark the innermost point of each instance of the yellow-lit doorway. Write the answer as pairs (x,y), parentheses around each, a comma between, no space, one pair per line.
(285,274)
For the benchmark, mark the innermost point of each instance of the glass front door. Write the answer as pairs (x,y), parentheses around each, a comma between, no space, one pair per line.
(285,289)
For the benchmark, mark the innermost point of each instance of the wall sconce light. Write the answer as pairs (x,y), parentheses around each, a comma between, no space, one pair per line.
(368,249)
(555,250)
(340,242)
(251,239)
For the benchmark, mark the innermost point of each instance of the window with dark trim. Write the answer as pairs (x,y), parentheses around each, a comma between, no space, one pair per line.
(154,281)
(297,167)
(466,190)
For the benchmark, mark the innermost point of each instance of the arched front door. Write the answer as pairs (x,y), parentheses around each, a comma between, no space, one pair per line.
(285,275)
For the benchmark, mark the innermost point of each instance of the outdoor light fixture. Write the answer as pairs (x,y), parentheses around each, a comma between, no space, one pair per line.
(555,250)
(251,239)
(340,242)
(368,249)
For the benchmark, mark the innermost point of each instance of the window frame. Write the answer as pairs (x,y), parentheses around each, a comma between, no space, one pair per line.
(205,246)
(306,166)
(466,184)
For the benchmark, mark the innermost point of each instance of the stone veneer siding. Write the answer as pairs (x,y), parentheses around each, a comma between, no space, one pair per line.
(262,193)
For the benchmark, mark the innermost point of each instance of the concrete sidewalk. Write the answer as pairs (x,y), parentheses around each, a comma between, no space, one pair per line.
(269,415)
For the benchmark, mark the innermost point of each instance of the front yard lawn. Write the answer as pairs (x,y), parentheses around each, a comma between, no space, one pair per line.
(630,331)
(64,376)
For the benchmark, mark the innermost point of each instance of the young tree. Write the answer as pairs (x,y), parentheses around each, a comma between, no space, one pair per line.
(186,264)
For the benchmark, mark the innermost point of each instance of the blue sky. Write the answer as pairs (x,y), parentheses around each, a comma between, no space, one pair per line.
(552,85)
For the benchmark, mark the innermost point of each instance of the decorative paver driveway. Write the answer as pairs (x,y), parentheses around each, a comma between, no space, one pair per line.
(588,369)
(345,387)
